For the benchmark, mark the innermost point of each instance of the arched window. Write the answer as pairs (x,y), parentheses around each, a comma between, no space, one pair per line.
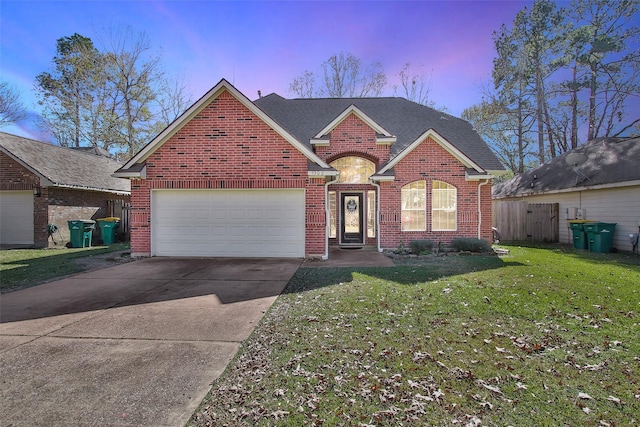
(443,207)
(414,206)
(353,170)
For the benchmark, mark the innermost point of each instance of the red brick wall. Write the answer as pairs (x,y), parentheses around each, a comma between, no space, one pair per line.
(354,137)
(429,161)
(226,146)
(14,176)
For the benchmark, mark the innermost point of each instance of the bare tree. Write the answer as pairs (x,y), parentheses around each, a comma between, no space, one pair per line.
(303,85)
(414,86)
(342,76)
(11,109)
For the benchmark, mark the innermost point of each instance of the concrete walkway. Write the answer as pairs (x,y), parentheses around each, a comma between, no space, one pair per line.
(135,344)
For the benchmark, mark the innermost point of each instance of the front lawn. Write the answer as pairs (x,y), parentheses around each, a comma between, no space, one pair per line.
(541,337)
(21,268)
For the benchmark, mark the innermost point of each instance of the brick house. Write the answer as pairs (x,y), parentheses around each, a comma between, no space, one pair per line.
(42,184)
(287,178)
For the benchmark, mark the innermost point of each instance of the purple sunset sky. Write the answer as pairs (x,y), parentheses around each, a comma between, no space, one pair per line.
(260,45)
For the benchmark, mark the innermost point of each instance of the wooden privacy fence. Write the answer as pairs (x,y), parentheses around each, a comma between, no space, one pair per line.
(120,209)
(519,220)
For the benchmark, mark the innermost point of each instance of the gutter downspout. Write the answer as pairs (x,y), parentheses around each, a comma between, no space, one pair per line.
(377,215)
(486,181)
(327,216)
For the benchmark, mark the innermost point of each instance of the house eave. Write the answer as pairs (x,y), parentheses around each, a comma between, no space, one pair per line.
(316,173)
(131,174)
(477,177)
(385,139)
(569,189)
(382,178)
(320,142)
(80,187)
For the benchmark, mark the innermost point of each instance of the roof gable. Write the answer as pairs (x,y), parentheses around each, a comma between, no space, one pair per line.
(64,167)
(382,133)
(306,118)
(450,148)
(131,170)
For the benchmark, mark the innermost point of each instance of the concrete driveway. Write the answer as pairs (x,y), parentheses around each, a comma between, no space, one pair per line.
(136,344)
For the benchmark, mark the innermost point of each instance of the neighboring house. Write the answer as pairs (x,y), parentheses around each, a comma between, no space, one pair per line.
(42,184)
(597,181)
(287,178)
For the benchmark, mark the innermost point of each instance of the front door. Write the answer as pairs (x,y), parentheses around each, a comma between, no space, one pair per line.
(351,219)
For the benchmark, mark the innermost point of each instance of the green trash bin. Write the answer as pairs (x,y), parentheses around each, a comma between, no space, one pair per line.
(600,236)
(579,236)
(108,228)
(80,232)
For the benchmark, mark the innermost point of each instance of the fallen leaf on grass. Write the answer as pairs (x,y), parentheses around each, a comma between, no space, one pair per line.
(584,396)
(279,414)
(614,399)
(490,387)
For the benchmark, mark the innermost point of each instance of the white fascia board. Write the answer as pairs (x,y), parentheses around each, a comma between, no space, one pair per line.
(572,189)
(468,177)
(382,178)
(81,187)
(124,174)
(355,110)
(319,142)
(386,140)
(322,173)
(199,105)
(430,133)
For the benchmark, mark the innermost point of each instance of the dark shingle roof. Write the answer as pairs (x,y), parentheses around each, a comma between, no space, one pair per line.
(65,167)
(608,161)
(407,120)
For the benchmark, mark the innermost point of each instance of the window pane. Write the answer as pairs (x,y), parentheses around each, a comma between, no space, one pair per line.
(371,214)
(444,206)
(332,214)
(353,170)
(413,206)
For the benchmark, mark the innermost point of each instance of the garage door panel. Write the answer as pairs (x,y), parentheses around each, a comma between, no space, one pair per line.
(249,223)
(16,218)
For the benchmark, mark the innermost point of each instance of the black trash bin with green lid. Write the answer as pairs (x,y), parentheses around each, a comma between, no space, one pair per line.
(600,236)
(80,232)
(108,228)
(579,236)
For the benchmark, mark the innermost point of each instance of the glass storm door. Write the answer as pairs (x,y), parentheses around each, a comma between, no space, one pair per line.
(351,218)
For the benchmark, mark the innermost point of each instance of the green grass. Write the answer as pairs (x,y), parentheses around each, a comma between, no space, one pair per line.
(21,268)
(542,337)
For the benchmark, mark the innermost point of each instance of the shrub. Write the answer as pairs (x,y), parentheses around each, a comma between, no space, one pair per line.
(421,246)
(400,250)
(470,244)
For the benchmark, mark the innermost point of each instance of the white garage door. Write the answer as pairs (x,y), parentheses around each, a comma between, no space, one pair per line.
(228,223)
(16,217)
